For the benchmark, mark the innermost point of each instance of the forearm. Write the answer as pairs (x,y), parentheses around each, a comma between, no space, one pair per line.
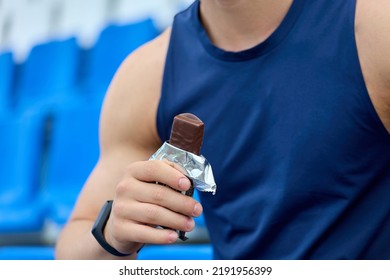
(77,242)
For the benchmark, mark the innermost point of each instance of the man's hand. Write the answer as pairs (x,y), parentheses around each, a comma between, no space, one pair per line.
(141,205)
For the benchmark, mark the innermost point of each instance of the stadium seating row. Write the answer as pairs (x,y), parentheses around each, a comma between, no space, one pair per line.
(60,72)
(49,111)
(50,107)
(149,252)
(40,183)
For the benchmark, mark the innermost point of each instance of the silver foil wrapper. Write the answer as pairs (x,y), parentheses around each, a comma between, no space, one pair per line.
(197,168)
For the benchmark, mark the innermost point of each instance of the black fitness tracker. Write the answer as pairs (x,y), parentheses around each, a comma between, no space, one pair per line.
(98,228)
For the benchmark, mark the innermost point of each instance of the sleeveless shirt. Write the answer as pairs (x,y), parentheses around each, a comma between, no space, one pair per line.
(299,154)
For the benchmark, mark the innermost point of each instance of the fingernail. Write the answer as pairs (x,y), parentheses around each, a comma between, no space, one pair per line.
(197,210)
(184,184)
(172,237)
(190,224)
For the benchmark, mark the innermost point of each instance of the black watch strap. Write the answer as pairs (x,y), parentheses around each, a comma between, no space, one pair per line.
(98,228)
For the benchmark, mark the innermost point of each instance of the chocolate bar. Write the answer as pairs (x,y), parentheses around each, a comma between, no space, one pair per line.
(187,134)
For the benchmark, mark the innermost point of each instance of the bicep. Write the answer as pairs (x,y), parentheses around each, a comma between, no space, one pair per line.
(127,130)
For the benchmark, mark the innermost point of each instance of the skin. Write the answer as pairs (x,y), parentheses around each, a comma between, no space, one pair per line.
(123,172)
(373,40)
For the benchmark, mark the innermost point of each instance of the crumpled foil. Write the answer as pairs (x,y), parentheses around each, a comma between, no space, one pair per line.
(197,168)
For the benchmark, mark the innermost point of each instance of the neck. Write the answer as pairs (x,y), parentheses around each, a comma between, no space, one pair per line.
(236,25)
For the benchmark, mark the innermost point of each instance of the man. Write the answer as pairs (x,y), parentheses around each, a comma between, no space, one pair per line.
(295,96)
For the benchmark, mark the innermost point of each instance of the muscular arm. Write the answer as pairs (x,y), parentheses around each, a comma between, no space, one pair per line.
(373,41)
(128,135)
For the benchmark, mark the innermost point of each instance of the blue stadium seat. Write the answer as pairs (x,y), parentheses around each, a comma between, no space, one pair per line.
(7,71)
(149,252)
(49,76)
(27,253)
(113,45)
(21,143)
(72,153)
(177,252)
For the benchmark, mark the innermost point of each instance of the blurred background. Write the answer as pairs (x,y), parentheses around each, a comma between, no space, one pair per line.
(57,58)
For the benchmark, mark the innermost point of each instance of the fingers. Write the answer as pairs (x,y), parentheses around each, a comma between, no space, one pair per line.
(140,185)
(154,215)
(137,223)
(170,199)
(150,203)
(159,171)
(141,205)
(145,234)
(127,236)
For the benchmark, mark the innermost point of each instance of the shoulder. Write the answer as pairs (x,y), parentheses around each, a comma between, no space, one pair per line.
(372,29)
(130,105)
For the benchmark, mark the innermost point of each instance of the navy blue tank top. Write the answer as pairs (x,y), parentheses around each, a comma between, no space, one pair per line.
(300,157)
